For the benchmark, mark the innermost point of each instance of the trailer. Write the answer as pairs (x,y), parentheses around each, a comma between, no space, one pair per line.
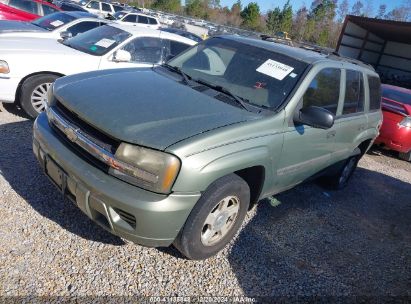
(384,44)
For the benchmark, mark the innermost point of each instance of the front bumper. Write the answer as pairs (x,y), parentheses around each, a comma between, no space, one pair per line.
(8,88)
(108,201)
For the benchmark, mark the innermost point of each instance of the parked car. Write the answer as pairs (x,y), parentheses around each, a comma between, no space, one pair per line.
(178,154)
(29,73)
(70,6)
(182,33)
(25,10)
(139,19)
(395,132)
(102,9)
(55,26)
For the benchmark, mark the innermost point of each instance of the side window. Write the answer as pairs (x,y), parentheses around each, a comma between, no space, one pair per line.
(354,93)
(142,19)
(105,7)
(82,27)
(117,8)
(145,50)
(177,47)
(48,9)
(94,5)
(324,90)
(375,92)
(27,6)
(130,18)
(152,21)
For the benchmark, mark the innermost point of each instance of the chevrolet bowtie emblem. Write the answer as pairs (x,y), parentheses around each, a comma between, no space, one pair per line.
(71,134)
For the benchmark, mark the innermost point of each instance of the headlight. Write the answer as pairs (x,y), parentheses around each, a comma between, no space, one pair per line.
(406,122)
(4,67)
(149,169)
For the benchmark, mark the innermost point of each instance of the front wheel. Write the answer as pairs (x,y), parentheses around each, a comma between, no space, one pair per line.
(34,93)
(215,218)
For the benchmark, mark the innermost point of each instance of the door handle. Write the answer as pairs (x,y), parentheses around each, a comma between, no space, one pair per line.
(331,134)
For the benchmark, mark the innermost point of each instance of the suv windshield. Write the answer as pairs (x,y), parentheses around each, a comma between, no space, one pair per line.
(98,41)
(259,76)
(53,21)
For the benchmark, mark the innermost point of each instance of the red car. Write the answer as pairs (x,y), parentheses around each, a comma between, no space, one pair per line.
(395,132)
(25,10)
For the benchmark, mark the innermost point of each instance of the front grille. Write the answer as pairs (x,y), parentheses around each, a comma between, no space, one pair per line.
(127,217)
(79,151)
(92,134)
(101,139)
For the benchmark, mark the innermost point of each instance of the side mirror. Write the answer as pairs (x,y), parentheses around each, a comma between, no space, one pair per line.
(66,35)
(122,56)
(110,17)
(315,117)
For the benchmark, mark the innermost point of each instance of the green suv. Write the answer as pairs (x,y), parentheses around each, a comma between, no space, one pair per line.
(178,153)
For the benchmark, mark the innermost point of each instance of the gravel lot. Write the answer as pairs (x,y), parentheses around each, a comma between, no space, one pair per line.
(355,242)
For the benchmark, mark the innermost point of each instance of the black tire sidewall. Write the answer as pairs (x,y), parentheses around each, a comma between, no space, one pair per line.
(189,240)
(27,89)
(341,185)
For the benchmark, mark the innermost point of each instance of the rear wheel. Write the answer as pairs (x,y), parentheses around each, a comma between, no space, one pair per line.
(34,93)
(215,219)
(405,156)
(340,180)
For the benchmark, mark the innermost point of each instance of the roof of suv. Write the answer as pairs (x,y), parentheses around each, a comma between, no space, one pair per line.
(308,56)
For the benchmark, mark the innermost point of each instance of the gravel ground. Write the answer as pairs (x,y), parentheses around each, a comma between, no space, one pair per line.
(354,242)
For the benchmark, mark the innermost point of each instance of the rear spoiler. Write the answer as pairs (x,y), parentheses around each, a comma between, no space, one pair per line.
(394,106)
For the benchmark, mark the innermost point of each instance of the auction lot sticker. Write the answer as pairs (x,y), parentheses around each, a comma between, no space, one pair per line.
(105,43)
(275,69)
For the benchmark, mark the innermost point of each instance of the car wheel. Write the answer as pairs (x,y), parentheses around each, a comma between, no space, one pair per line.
(340,180)
(215,218)
(405,156)
(34,93)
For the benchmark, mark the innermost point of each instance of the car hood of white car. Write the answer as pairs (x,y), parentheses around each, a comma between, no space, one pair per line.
(34,46)
(9,26)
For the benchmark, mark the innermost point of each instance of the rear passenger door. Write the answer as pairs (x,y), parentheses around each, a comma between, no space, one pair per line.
(351,123)
(308,150)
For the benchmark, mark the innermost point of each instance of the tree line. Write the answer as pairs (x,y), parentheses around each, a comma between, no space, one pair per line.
(319,24)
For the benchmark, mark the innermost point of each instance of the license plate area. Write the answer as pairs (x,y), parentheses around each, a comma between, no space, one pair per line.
(55,173)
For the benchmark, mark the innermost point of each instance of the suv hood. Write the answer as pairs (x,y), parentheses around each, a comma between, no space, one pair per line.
(8,26)
(143,107)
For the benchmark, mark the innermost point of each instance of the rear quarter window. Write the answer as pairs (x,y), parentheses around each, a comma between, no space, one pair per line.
(375,92)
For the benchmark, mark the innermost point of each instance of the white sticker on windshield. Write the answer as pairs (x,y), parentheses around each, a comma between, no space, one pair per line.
(105,43)
(56,23)
(293,75)
(275,69)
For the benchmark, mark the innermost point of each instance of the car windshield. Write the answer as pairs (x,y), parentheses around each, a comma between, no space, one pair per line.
(119,15)
(53,21)
(98,41)
(257,75)
(396,95)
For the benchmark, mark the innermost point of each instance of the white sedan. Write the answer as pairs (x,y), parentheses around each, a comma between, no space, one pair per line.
(56,25)
(28,66)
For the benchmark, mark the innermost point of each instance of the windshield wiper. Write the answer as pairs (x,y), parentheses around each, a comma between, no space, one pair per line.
(179,71)
(244,103)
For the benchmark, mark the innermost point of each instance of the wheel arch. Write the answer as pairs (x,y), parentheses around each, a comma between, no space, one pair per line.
(18,92)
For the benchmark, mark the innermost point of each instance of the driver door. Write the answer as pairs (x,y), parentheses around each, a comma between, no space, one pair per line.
(144,52)
(307,150)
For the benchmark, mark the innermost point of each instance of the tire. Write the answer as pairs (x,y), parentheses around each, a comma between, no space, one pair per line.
(340,180)
(200,240)
(34,92)
(405,156)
